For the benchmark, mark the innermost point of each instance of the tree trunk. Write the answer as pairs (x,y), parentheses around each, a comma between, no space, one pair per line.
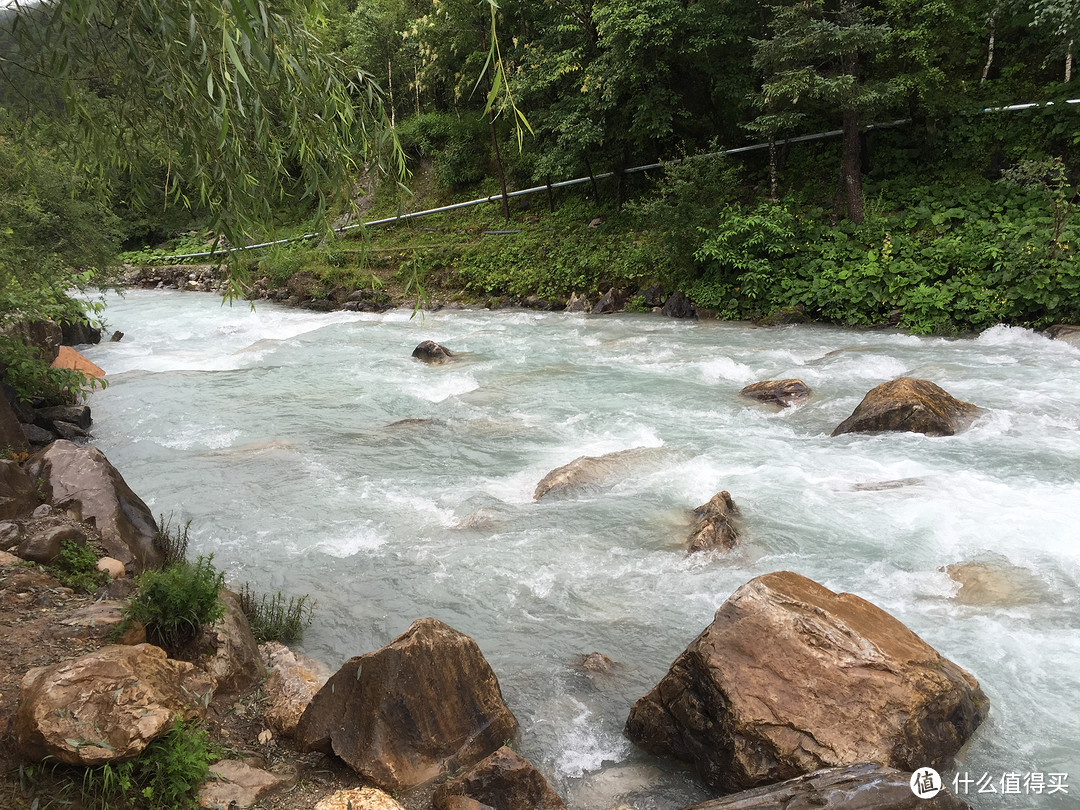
(1068,62)
(989,49)
(390,88)
(773,179)
(851,167)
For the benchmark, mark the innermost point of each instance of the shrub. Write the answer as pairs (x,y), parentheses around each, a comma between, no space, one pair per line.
(172,541)
(76,567)
(175,602)
(274,619)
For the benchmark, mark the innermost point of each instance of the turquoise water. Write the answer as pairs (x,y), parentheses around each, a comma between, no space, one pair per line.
(278,433)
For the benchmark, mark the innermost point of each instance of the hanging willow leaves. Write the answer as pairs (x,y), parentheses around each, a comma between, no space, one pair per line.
(234,102)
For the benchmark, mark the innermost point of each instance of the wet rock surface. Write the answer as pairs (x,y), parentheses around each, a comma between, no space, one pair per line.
(791,677)
(783,393)
(502,781)
(715,524)
(911,405)
(432,353)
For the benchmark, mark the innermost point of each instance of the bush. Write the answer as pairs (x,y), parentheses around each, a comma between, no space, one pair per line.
(172,541)
(175,602)
(272,618)
(76,567)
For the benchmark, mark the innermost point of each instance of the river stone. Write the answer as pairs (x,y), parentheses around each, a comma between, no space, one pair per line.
(865,786)
(576,303)
(778,392)
(366,798)
(606,305)
(293,681)
(592,470)
(43,546)
(678,306)
(714,526)
(111,567)
(37,436)
(1067,333)
(424,704)
(503,781)
(234,663)
(9,535)
(993,580)
(78,415)
(908,404)
(106,706)
(431,352)
(12,438)
(76,334)
(791,677)
(18,496)
(234,783)
(81,477)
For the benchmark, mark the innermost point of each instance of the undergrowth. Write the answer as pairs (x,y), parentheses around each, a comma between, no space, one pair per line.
(174,603)
(272,618)
(76,567)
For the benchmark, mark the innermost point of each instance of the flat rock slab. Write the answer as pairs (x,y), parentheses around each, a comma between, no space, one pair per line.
(783,393)
(594,470)
(425,704)
(909,405)
(790,678)
(865,786)
(235,784)
(366,798)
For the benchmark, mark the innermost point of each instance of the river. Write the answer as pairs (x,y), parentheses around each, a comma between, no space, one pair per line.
(279,434)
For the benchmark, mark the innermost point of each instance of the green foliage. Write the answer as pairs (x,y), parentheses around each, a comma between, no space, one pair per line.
(22,368)
(272,618)
(174,603)
(76,567)
(172,541)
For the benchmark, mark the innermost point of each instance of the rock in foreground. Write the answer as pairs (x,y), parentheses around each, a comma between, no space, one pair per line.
(865,786)
(424,704)
(908,404)
(790,678)
(106,706)
(503,781)
(714,525)
(83,479)
(778,392)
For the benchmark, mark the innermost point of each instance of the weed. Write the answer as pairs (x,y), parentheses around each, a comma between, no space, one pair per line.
(274,619)
(172,541)
(76,567)
(175,603)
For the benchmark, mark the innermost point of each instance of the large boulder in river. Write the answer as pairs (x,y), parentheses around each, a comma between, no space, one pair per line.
(714,524)
(908,404)
(502,781)
(790,678)
(106,706)
(593,470)
(1068,333)
(425,704)
(83,479)
(18,495)
(431,352)
(865,786)
(778,392)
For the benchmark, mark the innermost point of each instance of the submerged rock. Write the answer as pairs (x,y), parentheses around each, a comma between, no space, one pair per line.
(502,781)
(587,470)
(1068,333)
(778,392)
(714,526)
(865,786)
(431,352)
(83,479)
(995,581)
(908,404)
(790,678)
(425,704)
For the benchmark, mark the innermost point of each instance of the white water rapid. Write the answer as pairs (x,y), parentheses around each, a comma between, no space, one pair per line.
(279,434)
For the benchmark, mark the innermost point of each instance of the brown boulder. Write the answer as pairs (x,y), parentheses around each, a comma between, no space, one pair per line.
(778,392)
(907,404)
(234,662)
(790,678)
(293,681)
(502,781)
(593,470)
(865,786)
(106,706)
(714,526)
(431,352)
(81,477)
(18,496)
(400,716)
(366,798)
(12,438)
(43,545)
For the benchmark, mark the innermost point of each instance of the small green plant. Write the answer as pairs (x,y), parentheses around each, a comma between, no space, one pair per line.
(76,567)
(272,618)
(175,603)
(172,540)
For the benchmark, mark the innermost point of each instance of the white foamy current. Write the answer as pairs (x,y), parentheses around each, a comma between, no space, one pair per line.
(314,455)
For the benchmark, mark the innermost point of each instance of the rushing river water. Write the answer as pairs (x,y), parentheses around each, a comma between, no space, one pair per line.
(279,434)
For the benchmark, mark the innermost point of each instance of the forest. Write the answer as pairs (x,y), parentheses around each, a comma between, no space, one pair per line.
(946,201)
